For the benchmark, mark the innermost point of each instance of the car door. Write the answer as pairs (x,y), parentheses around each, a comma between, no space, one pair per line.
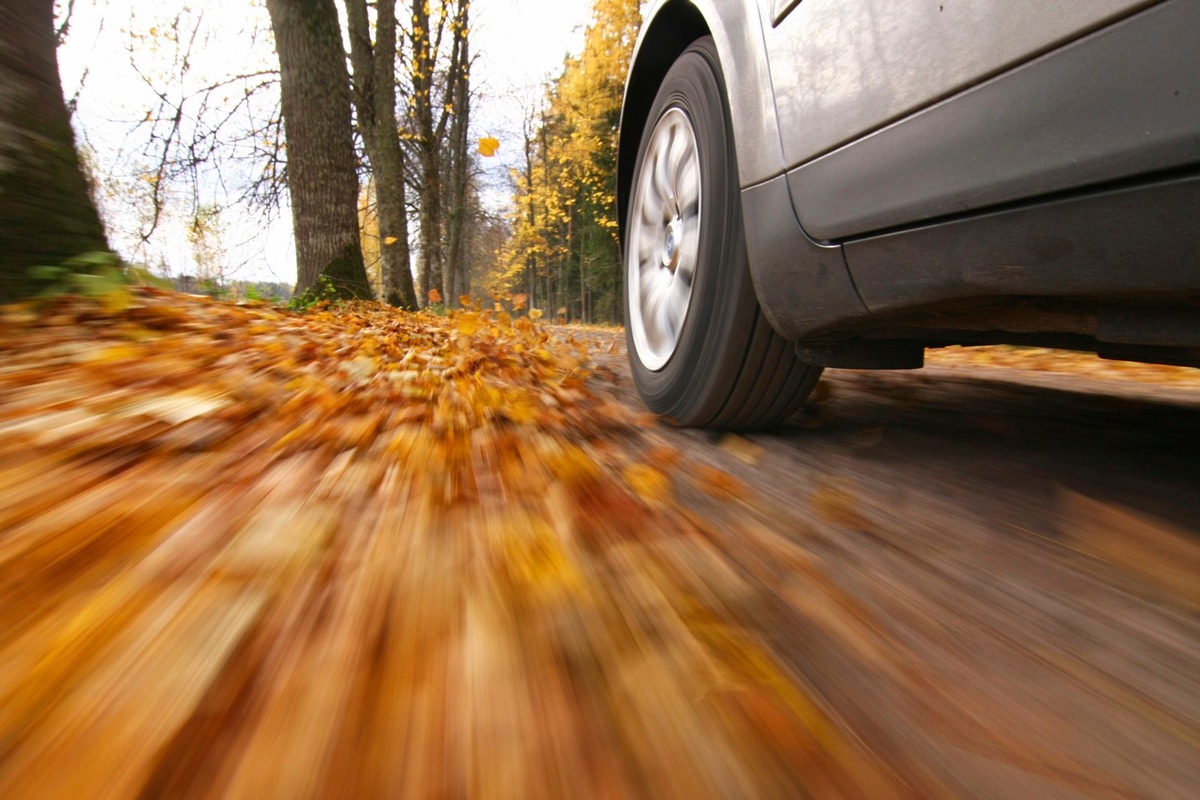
(842,69)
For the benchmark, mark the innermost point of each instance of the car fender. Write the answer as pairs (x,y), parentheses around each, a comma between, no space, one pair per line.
(809,284)
(668,28)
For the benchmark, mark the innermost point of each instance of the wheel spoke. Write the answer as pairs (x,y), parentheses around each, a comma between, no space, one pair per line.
(647,250)
(662,175)
(676,301)
(685,272)
(687,188)
(681,156)
(664,313)
(648,278)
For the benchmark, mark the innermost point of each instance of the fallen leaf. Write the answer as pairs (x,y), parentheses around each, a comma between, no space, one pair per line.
(648,483)
(741,449)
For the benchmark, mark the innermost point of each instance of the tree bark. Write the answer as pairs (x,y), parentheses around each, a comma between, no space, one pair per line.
(424,58)
(46,213)
(374,68)
(456,279)
(322,179)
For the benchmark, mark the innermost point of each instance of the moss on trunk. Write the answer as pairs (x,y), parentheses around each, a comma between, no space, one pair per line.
(348,276)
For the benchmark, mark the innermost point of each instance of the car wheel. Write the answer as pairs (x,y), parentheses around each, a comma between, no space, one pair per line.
(701,352)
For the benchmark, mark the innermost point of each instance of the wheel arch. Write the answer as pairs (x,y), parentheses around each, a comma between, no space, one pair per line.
(809,283)
(671,29)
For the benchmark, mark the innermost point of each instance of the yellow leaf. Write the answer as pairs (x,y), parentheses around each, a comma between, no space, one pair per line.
(647,482)
(519,301)
(435,296)
(390,240)
(488,146)
(535,313)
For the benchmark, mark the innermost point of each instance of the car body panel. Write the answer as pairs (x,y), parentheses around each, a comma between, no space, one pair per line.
(1121,102)
(752,109)
(842,68)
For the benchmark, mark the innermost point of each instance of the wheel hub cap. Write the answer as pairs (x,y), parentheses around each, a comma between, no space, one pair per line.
(670,257)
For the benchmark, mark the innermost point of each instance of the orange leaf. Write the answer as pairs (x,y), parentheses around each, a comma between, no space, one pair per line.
(488,146)
(719,484)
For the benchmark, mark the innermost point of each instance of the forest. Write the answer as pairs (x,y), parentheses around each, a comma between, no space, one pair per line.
(356,120)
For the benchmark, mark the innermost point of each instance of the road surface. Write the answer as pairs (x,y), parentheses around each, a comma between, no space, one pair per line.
(990,577)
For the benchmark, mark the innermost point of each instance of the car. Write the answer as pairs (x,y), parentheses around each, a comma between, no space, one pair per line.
(845,183)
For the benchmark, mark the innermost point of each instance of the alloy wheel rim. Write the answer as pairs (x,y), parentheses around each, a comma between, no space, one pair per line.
(664,239)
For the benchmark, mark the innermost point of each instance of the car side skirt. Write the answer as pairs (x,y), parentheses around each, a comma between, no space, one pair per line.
(1138,241)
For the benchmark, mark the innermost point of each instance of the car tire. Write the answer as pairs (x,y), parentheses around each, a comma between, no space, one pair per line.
(701,352)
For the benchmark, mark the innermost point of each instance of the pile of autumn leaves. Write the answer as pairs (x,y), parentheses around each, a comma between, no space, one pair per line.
(171,372)
(350,552)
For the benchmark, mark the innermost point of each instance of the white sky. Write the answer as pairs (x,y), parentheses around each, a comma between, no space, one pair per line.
(518,44)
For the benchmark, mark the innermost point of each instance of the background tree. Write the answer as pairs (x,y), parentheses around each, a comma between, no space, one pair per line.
(456,276)
(374,65)
(436,68)
(207,236)
(204,127)
(46,214)
(322,176)
(368,234)
(564,250)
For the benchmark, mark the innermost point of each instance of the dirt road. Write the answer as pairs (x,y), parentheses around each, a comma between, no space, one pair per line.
(356,553)
(991,576)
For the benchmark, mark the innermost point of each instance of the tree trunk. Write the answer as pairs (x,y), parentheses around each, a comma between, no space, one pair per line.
(422,110)
(46,214)
(456,280)
(431,219)
(322,180)
(531,212)
(583,314)
(430,118)
(375,99)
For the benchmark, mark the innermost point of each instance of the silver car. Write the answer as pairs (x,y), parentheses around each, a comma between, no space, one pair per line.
(845,183)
